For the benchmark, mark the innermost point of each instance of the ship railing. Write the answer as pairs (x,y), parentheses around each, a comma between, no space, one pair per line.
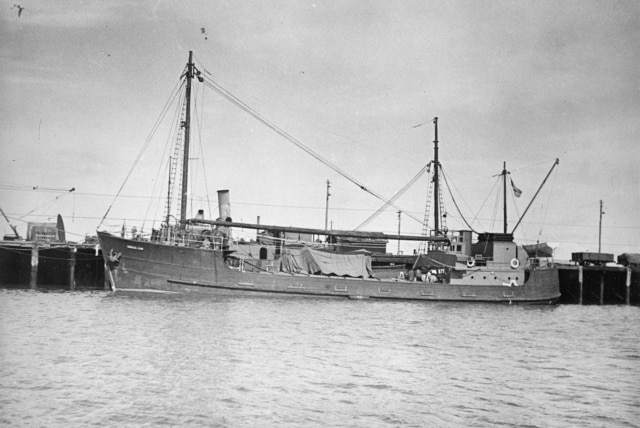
(540,262)
(209,242)
(191,240)
(480,260)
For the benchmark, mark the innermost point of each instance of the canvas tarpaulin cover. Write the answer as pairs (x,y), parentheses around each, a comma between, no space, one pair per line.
(539,250)
(435,260)
(309,261)
(629,259)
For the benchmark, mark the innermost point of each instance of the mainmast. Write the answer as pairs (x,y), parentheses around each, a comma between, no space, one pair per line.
(186,125)
(504,196)
(436,189)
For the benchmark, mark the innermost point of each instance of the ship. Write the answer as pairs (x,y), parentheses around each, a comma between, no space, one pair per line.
(200,256)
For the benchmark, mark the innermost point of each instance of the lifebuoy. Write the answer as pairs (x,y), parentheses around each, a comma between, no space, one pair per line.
(515,263)
(471,262)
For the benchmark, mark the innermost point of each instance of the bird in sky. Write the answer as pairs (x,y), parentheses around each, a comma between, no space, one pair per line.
(20,9)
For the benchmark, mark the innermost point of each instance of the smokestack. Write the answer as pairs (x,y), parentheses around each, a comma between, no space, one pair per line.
(224,206)
(224,210)
(200,215)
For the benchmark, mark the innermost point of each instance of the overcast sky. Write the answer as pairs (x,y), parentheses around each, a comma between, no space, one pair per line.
(521,82)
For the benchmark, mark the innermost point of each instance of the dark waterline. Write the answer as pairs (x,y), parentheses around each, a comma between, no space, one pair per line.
(94,358)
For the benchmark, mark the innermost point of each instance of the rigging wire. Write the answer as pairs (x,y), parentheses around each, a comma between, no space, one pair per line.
(485,201)
(533,165)
(496,206)
(453,184)
(11,186)
(446,181)
(161,173)
(513,200)
(193,170)
(343,135)
(161,116)
(198,118)
(395,197)
(243,106)
(49,203)
(546,210)
(204,172)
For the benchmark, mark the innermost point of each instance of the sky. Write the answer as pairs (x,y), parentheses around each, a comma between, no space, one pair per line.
(358,82)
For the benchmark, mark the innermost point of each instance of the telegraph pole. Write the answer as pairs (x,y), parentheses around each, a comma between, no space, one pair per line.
(326,209)
(600,229)
(399,218)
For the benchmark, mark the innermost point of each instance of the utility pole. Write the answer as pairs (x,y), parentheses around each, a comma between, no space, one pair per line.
(399,218)
(600,229)
(326,209)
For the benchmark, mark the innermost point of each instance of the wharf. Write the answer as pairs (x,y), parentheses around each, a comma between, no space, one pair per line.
(33,264)
(599,285)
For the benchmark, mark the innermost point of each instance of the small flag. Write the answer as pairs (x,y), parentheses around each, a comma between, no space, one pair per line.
(517,192)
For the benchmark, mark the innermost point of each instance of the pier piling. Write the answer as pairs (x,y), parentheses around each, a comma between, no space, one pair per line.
(599,285)
(30,264)
(107,275)
(628,284)
(72,267)
(33,279)
(581,282)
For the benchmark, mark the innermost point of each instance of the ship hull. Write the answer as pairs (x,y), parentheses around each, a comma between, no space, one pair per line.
(144,265)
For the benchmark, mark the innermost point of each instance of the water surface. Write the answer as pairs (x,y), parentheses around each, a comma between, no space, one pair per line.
(94,358)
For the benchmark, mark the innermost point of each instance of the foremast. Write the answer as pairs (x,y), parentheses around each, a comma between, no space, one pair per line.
(187,127)
(181,157)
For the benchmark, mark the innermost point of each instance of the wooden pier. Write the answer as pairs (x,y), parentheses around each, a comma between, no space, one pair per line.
(599,285)
(29,264)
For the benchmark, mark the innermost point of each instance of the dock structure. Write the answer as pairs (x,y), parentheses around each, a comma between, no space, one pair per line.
(34,264)
(599,285)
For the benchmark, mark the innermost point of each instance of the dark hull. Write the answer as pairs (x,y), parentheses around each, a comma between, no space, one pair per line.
(144,265)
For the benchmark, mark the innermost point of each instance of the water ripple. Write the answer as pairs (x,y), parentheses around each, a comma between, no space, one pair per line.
(99,359)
